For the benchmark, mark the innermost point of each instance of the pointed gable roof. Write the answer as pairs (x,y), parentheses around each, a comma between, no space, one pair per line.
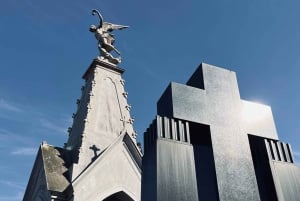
(51,169)
(55,161)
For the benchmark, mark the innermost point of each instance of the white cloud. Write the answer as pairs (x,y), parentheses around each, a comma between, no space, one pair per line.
(16,197)
(15,185)
(296,153)
(18,193)
(297,157)
(11,138)
(9,106)
(25,151)
(53,126)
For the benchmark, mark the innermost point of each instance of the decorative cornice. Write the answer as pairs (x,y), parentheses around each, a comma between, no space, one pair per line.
(102,64)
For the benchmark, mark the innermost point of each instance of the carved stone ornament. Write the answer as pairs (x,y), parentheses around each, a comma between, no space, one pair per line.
(122,82)
(130,120)
(125,94)
(128,107)
(134,134)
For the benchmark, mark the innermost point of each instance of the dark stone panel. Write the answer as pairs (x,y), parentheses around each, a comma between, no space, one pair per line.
(237,166)
(204,162)
(262,168)
(287,180)
(206,175)
(176,176)
(164,104)
(188,103)
(200,134)
(196,79)
(149,175)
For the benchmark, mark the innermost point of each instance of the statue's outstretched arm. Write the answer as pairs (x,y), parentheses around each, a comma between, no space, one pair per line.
(96,12)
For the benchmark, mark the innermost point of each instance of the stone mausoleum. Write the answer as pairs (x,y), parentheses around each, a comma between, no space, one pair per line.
(208,144)
(205,144)
(101,159)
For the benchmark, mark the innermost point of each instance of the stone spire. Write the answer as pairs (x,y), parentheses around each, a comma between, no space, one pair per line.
(103,115)
(101,159)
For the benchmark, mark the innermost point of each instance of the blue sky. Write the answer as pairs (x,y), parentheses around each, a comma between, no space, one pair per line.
(45,48)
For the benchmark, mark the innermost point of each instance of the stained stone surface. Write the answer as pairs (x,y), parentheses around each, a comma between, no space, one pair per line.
(101,160)
(101,115)
(49,174)
(102,141)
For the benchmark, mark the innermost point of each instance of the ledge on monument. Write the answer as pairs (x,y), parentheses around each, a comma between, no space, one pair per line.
(103,64)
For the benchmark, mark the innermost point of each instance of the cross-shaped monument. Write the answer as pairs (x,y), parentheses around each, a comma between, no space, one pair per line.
(203,128)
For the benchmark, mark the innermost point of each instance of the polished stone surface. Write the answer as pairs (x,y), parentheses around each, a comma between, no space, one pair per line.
(233,144)
(277,175)
(168,159)
(215,101)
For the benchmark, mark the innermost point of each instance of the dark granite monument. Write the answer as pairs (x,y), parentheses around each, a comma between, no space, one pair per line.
(208,144)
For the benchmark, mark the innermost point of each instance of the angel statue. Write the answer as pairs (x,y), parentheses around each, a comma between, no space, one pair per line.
(106,38)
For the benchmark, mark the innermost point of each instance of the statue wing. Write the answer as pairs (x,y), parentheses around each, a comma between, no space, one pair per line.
(119,27)
(110,26)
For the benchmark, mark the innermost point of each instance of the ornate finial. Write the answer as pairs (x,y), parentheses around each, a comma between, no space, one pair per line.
(105,38)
